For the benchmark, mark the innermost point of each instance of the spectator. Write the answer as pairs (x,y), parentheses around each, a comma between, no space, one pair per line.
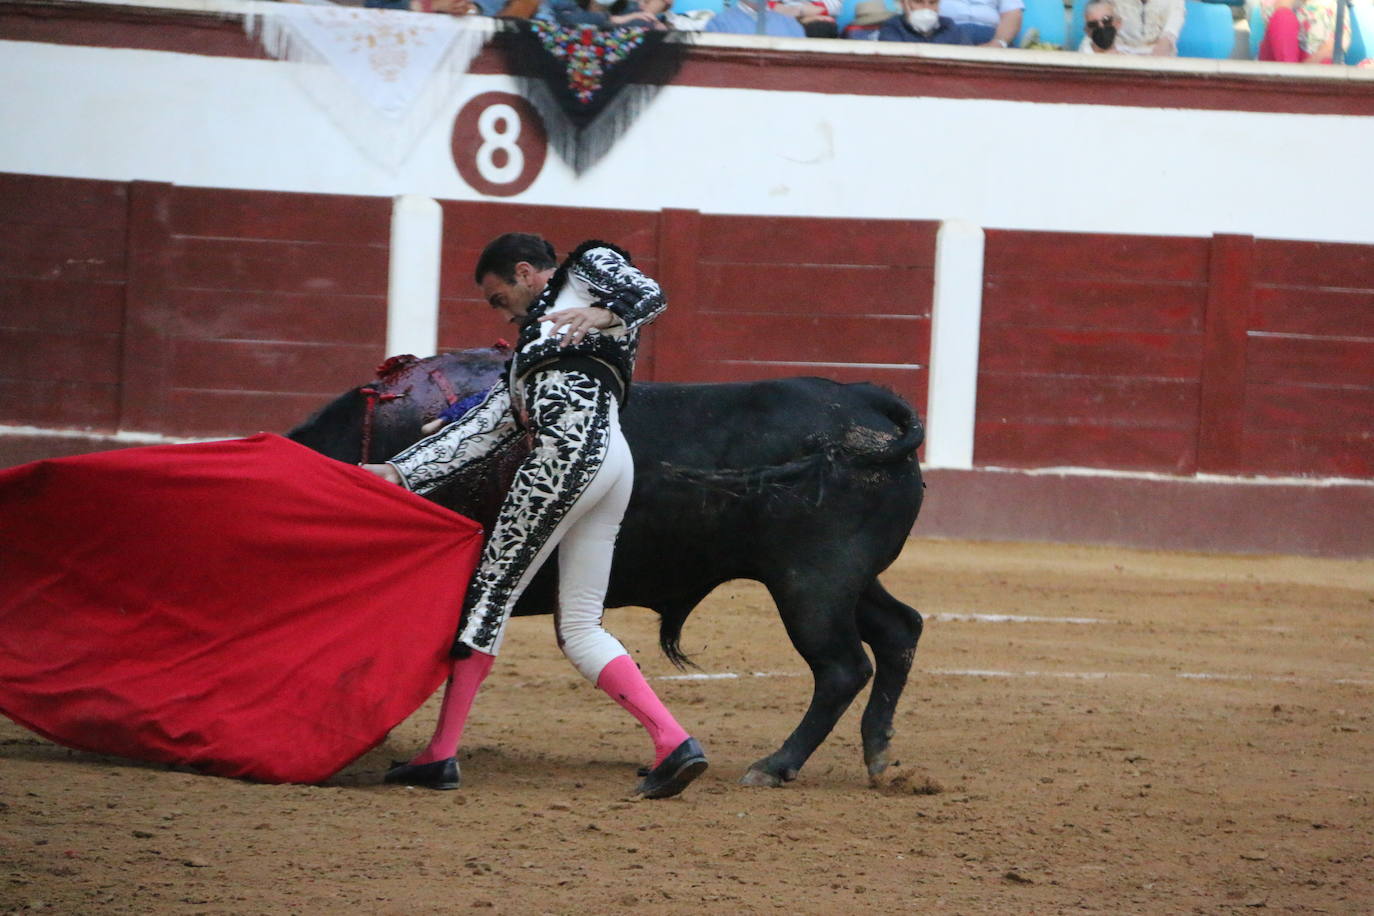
(658,9)
(990,23)
(868,16)
(921,21)
(816,17)
(563,12)
(452,7)
(1301,31)
(572,13)
(1144,27)
(743,19)
(1099,28)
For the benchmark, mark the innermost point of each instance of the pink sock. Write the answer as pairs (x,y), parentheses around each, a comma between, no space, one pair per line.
(467,675)
(624,682)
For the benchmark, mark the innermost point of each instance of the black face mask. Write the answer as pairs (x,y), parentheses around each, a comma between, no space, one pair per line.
(1103,35)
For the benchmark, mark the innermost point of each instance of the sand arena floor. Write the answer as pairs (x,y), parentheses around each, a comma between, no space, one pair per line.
(1085,730)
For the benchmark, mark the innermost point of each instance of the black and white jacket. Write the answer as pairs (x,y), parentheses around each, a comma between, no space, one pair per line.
(600,274)
(595,274)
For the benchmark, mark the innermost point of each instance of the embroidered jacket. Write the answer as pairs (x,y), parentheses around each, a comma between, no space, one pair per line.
(595,274)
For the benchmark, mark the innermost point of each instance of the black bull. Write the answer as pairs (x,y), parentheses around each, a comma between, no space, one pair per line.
(806,485)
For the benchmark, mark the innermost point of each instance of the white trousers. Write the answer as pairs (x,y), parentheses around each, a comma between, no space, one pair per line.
(571,493)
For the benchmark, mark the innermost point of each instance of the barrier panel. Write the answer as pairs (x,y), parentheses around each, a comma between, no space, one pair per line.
(151,308)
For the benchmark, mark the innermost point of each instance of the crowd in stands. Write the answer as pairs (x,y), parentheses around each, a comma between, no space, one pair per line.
(1292,30)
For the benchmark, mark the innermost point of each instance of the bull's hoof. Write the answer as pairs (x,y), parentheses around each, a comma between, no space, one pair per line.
(770,776)
(756,777)
(877,763)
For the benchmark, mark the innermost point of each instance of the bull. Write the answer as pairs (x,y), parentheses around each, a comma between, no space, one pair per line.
(806,485)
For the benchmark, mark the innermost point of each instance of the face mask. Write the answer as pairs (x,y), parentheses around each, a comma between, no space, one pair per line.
(923,20)
(1103,35)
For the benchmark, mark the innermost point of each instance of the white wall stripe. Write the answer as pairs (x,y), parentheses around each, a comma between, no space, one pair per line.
(1013,618)
(412,313)
(955,324)
(1069,675)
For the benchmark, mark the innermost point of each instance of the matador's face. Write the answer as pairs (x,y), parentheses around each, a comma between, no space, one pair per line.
(515,299)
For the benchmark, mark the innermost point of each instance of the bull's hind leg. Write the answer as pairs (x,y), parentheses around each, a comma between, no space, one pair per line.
(819,617)
(891,630)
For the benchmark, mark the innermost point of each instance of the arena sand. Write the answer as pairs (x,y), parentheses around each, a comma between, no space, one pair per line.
(1166,733)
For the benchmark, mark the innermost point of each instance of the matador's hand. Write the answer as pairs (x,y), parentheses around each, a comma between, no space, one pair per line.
(574,324)
(384,471)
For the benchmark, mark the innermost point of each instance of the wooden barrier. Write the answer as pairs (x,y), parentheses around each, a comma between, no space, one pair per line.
(1227,355)
(160,309)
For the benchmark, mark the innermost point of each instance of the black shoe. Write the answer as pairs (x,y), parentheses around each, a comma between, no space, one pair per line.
(676,771)
(440,774)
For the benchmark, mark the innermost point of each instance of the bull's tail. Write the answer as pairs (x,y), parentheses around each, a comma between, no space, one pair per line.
(670,621)
(910,431)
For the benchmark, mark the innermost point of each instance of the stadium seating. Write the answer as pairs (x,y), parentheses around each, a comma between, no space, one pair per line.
(1047,18)
(1357,50)
(687,6)
(1075,36)
(846,14)
(1208,31)
(1257,25)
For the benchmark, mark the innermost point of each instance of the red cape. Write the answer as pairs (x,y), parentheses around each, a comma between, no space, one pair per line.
(248,607)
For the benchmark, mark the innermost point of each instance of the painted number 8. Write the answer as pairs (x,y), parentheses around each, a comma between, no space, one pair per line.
(498,144)
(499,128)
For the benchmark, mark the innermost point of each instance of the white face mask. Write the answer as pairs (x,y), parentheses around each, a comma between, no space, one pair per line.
(923,20)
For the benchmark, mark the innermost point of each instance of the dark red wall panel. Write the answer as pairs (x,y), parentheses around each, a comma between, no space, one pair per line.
(80,203)
(273,316)
(53,357)
(793,240)
(1309,368)
(238,413)
(1299,453)
(1303,409)
(62,306)
(1070,400)
(882,339)
(245,215)
(194,311)
(62,276)
(1091,350)
(771,296)
(1226,355)
(1124,447)
(250,365)
(60,404)
(1105,354)
(292,267)
(1324,312)
(266,302)
(1093,303)
(1314,265)
(810,289)
(1312,361)
(1151,259)
(62,253)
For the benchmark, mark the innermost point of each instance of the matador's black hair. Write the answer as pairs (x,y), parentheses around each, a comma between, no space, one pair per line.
(503,253)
